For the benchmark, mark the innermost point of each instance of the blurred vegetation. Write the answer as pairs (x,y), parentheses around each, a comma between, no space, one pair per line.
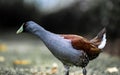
(84,17)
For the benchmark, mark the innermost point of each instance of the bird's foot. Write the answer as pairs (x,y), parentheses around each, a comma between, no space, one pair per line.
(67,73)
(84,71)
(66,70)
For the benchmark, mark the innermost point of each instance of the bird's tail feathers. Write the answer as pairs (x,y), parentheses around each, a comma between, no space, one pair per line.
(100,39)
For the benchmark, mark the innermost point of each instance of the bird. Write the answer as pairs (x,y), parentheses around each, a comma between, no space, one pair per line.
(70,49)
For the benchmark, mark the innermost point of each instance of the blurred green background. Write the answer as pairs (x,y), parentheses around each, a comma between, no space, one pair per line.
(82,17)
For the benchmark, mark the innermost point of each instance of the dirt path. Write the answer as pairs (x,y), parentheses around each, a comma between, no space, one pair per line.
(33,58)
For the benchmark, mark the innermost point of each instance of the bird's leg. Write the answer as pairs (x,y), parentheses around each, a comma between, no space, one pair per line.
(66,69)
(84,71)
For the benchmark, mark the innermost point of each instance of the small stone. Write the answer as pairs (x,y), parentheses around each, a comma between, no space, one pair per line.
(54,69)
(112,69)
(3,47)
(55,65)
(2,59)
(21,62)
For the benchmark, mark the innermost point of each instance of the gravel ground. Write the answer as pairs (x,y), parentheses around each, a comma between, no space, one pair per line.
(33,58)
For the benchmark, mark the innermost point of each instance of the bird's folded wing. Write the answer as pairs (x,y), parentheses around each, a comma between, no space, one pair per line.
(81,43)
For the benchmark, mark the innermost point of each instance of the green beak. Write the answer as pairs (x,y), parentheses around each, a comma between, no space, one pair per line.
(20,30)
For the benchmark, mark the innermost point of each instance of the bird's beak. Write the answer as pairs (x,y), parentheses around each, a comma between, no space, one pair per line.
(20,30)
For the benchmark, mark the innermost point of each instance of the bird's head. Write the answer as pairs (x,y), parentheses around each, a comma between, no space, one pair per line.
(29,26)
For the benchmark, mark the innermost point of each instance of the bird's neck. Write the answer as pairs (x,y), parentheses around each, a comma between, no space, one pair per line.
(38,31)
(47,37)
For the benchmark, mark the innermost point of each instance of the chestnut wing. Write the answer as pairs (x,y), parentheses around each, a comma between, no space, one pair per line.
(81,43)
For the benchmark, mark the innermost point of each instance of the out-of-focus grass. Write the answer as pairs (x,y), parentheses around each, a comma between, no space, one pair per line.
(41,61)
